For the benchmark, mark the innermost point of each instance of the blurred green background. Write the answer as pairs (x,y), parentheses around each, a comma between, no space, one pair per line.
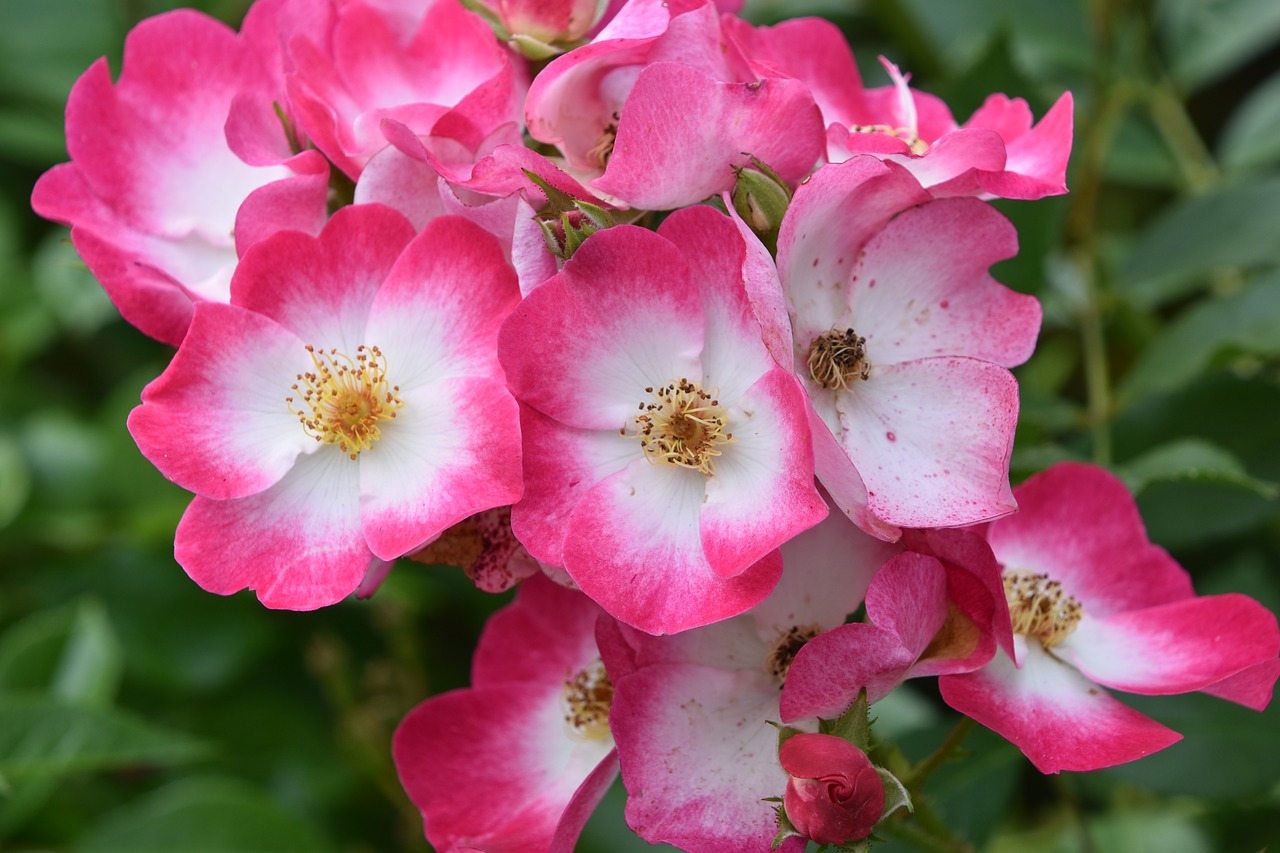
(138,713)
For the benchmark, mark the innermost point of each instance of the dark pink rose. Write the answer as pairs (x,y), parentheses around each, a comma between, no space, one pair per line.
(834,795)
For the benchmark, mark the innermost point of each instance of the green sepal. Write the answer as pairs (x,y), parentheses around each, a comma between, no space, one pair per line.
(895,794)
(786,829)
(785,733)
(761,198)
(558,216)
(854,725)
(532,48)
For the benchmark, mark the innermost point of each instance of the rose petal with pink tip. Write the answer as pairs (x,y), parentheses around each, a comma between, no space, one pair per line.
(1057,717)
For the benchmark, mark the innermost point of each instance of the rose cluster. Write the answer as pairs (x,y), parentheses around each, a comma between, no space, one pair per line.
(672,321)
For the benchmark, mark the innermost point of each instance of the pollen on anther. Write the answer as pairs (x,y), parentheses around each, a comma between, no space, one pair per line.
(1039,607)
(344,399)
(837,358)
(684,427)
(588,696)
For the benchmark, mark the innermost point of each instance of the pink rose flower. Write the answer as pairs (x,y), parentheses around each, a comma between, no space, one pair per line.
(834,795)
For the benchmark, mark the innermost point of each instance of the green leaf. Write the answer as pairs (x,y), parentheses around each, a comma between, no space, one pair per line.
(71,653)
(41,736)
(1234,227)
(1247,321)
(1251,137)
(1190,459)
(1208,40)
(1227,751)
(204,815)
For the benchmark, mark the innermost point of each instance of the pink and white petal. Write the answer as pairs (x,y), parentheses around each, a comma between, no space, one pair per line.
(405,184)
(1008,117)
(773,119)
(698,757)
(932,440)
(764,291)
(815,51)
(949,163)
(1251,687)
(1057,717)
(1173,648)
(1111,569)
(493,768)
(583,803)
(321,288)
(297,203)
(622,316)
(922,289)
(438,312)
(217,421)
(829,671)
(826,572)
(734,355)
(452,451)
(1040,155)
(909,599)
(633,545)
(965,552)
(546,632)
(762,492)
(147,297)
(297,544)
(530,256)
(560,465)
(832,216)
(836,472)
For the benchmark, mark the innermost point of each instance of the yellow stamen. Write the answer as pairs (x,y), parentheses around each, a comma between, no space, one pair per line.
(1040,608)
(588,695)
(685,427)
(345,399)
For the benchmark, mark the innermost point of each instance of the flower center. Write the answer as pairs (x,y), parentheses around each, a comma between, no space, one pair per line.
(587,697)
(838,358)
(1039,607)
(600,152)
(345,399)
(778,662)
(685,427)
(916,145)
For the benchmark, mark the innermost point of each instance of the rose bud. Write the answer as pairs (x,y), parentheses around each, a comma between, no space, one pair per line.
(834,795)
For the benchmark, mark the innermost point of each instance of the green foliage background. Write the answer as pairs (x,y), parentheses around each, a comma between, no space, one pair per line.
(138,713)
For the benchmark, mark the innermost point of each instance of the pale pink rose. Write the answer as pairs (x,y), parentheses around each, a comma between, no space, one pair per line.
(1094,604)
(661,106)
(997,152)
(518,760)
(903,340)
(665,449)
(346,408)
(180,166)
(449,79)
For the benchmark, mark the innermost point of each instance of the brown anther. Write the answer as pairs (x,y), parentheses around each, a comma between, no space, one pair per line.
(838,358)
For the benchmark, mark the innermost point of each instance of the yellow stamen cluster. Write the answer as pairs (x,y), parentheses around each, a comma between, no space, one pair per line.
(838,358)
(778,662)
(685,427)
(1039,607)
(916,145)
(588,695)
(345,399)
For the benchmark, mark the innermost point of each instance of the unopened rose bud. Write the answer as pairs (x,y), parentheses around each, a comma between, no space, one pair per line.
(834,794)
(539,29)
(761,197)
